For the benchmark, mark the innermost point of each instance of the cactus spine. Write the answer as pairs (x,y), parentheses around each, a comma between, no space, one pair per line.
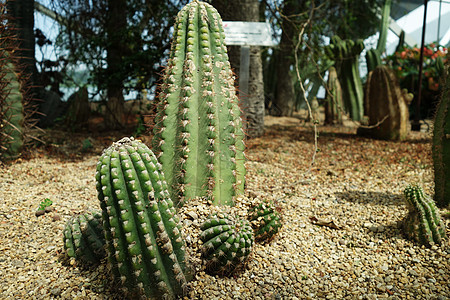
(386,103)
(227,243)
(265,220)
(423,223)
(441,146)
(198,132)
(84,239)
(11,92)
(144,244)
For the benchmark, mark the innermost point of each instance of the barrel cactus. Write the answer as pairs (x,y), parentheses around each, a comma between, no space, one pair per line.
(423,223)
(265,220)
(143,240)
(387,106)
(84,239)
(227,243)
(198,134)
(441,147)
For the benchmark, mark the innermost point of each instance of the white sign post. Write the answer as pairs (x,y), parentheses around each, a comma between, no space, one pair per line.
(246,34)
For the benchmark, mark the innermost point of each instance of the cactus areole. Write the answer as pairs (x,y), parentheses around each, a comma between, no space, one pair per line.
(143,241)
(198,132)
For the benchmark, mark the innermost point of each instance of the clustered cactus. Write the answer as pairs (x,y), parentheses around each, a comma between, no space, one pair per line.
(84,239)
(423,223)
(227,242)
(198,129)
(143,239)
(346,53)
(265,220)
(386,105)
(441,146)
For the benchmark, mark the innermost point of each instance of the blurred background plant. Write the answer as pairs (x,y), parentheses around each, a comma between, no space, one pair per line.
(405,63)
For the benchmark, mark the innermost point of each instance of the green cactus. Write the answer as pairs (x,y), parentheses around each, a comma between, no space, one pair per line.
(84,239)
(386,103)
(265,220)
(198,129)
(227,243)
(441,146)
(346,53)
(143,239)
(16,108)
(423,223)
(334,102)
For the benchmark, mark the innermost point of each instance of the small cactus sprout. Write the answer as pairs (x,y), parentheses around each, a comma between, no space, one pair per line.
(143,240)
(84,239)
(423,223)
(265,220)
(227,243)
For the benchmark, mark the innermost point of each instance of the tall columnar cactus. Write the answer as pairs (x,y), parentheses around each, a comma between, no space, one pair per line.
(441,146)
(198,132)
(423,223)
(144,244)
(334,104)
(227,242)
(346,53)
(373,56)
(265,220)
(386,103)
(84,239)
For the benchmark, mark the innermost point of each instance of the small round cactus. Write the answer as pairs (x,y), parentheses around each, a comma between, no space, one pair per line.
(265,220)
(227,243)
(84,239)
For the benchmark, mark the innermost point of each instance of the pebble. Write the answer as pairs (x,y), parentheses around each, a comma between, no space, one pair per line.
(368,258)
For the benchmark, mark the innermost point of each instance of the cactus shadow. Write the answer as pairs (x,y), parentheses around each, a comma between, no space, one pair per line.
(370,198)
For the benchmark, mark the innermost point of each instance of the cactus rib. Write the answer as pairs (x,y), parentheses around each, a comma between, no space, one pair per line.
(144,244)
(198,132)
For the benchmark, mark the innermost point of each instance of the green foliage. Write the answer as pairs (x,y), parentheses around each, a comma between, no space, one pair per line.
(441,146)
(423,223)
(227,243)
(84,238)
(198,131)
(144,245)
(265,220)
(45,203)
(145,37)
(405,63)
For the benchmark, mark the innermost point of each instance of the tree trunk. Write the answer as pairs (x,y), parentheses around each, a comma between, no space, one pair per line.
(247,10)
(284,100)
(115,25)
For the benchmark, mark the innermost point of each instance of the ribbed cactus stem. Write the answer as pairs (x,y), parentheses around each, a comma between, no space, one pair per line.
(144,244)
(423,222)
(387,106)
(227,243)
(198,132)
(441,146)
(265,220)
(84,238)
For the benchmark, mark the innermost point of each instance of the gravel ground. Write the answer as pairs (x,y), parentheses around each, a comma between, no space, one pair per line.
(355,183)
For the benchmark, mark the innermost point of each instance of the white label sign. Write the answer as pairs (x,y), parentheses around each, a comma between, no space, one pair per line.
(248,33)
